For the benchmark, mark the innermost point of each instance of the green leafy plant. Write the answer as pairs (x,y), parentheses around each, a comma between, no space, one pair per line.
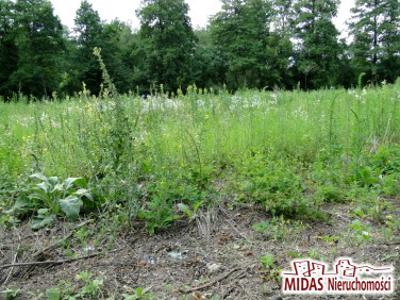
(10,294)
(91,285)
(330,194)
(330,239)
(138,294)
(360,230)
(276,185)
(49,197)
(269,268)
(267,261)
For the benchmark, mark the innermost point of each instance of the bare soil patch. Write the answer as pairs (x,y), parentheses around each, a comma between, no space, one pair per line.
(218,255)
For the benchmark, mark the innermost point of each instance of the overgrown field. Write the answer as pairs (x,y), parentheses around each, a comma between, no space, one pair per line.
(158,160)
(264,177)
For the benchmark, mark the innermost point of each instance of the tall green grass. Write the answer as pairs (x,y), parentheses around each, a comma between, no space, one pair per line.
(286,150)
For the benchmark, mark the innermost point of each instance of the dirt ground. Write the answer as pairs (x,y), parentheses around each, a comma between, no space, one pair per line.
(217,256)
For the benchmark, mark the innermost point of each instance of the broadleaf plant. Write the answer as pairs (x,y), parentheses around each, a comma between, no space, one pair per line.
(49,197)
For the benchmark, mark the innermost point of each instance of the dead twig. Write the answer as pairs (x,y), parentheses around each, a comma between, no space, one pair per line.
(13,262)
(56,262)
(234,283)
(207,285)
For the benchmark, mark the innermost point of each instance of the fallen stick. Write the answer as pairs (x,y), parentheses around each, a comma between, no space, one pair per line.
(4,283)
(55,262)
(202,287)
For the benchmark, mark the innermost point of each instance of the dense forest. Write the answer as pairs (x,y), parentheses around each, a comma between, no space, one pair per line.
(263,44)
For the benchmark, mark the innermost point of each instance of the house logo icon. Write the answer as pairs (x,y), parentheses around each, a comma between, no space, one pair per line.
(345,277)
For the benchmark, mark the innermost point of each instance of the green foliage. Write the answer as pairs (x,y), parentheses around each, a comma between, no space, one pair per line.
(254,56)
(275,184)
(330,194)
(91,286)
(53,294)
(375,27)
(267,261)
(138,294)
(31,48)
(157,161)
(8,48)
(167,42)
(87,287)
(317,57)
(269,267)
(360,230)
(49,197)
(10,294)
(248,44)
(89,32)
(330,239)
(168,199)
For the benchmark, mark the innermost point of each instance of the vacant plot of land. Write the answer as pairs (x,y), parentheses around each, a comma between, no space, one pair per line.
(202,196)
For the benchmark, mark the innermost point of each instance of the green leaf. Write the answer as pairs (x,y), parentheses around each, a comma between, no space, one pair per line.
(21,204)
(41,222)
(11,293)
(71,206)
(44,186)
(38,195)
(43,212)
(38,176)
(53,180)
(84,193)
(73,181)
(58,188)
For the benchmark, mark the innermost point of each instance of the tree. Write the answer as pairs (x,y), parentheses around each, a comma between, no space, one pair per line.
(318,49)
(281,46)
(118,42)
(208,68)
(241,32)
(37,37)
(8,50)
(167,43)
(89,31)
(376,47)
(283,16)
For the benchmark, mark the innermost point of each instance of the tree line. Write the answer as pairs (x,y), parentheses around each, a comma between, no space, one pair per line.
(263,44)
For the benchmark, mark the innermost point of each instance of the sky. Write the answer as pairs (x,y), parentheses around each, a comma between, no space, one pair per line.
(200,11)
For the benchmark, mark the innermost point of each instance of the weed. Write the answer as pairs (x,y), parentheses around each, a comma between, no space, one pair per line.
(49,197)
(267,261)
(269,269)
(330,239)
(279,228)
(10,294)
(361,231)
(138,294)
